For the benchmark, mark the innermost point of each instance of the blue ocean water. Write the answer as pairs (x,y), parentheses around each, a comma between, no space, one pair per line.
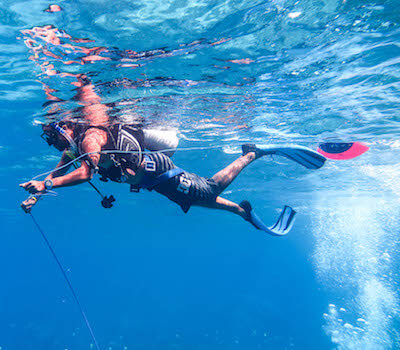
(220,73)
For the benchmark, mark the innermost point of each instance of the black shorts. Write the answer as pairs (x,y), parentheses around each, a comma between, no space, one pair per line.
(188,189)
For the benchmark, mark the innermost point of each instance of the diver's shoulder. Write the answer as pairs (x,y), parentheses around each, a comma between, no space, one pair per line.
(95,134)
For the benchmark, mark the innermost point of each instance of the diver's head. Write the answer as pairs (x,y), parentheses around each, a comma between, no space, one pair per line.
(60,135)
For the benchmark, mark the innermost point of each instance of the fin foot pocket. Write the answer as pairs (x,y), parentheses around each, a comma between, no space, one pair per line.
(251,147)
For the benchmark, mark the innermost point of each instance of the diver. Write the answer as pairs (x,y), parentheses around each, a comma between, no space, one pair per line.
(118,154)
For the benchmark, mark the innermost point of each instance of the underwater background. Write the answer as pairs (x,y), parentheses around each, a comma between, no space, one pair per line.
(220,73)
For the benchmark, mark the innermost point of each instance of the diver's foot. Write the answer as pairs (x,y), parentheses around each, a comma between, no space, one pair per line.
(251,147)
(246,206)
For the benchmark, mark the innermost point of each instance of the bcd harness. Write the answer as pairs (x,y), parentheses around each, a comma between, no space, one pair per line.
(125,141)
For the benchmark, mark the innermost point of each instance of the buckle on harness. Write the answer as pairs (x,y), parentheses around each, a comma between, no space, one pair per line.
(150,165)
(115,161)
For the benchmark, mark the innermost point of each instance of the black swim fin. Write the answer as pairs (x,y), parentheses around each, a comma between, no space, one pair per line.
(302,155)
(281,227)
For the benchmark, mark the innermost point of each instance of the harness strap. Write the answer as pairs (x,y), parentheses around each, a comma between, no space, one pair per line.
(166,176)
(149,183)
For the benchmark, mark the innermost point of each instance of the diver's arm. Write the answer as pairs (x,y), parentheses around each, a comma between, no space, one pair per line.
(76,177)
(84,173)
(64,160)
(92,144)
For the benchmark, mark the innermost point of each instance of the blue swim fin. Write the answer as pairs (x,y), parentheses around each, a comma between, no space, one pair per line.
(282,226)
(302,155)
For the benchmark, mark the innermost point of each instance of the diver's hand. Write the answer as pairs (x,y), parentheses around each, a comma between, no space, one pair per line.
(28,203)
(33,186)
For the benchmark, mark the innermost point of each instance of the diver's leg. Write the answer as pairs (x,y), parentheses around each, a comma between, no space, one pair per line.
(224,204)
(244,209)
(225,177)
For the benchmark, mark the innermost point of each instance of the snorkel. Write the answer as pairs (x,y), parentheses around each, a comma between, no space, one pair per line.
(62,132)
